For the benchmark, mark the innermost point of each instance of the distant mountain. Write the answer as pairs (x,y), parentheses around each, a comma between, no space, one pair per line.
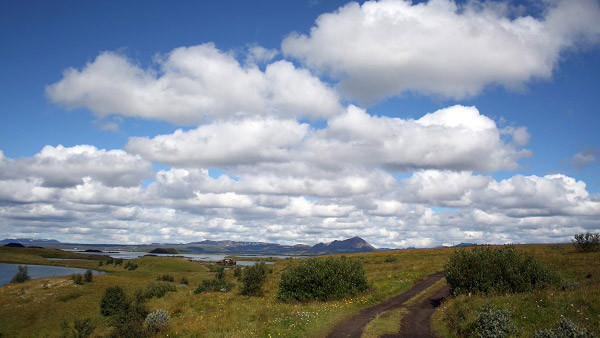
(28,240)
(464,244)
(354,244)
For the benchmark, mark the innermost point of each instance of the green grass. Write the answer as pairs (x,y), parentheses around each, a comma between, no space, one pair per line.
(36,308)
(540,309)
(387,322)
(41,305)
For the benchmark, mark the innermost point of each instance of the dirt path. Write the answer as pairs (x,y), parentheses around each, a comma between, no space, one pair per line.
(354,326)
(417,323)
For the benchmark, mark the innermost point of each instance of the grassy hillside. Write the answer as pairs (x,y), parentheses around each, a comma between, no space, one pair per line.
(37,308)
(539,309)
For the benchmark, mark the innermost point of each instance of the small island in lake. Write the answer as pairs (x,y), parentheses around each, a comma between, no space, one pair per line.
(170,251)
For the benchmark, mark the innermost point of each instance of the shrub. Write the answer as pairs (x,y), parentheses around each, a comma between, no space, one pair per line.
(237,272)
(132,266)
(487,269)
(77,279)
(165,278)
(564,328)
(22,275)
(390,259)
(220,273)
(110,260)
(81,328)
(157,289)
(253,279)
(130,323)
(213,285)
(157,321)
(119,261)
(100,263)
(184,280)
(88,276)
(587,242)
(113,301)
(492,323)
(323,279)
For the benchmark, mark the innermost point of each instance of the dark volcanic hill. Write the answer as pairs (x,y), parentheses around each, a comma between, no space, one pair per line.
(354,244)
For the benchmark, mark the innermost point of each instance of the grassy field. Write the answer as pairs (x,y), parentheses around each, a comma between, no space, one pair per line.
(540,309)
(38,307)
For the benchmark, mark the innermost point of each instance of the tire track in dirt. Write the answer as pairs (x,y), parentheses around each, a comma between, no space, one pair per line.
(353,327)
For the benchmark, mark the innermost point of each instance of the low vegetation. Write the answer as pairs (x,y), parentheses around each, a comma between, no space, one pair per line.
(157,289)
(587,242)
(323,279)
(521,290)
(22,275)
(231,314)
(156,321)
(253,279)
(497,269)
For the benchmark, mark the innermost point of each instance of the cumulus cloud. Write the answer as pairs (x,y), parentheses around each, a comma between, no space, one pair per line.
(224,143)
(195,84)
(517,196)
(457,137)
(384,48)
(67,166)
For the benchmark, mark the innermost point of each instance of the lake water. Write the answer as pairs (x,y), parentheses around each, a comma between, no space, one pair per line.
(196,257)
(8,271)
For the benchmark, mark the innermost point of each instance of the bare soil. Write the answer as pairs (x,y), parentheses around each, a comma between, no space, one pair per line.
(354,326)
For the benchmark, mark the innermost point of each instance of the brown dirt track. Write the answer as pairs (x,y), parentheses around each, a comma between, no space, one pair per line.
(415,324)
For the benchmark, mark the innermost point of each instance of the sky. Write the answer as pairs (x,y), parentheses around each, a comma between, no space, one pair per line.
(409,124)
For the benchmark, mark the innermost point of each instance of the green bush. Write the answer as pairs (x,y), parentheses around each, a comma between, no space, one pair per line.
(88,276)
(22,275)
(157,289)
(156,321)
(119,261)
(564,328)
(130,323)
(165,278)
(390,259)
(504,270)
(323,279)
(237,272)
(114,301)
(184,280)
(253,279)
(494,324)
(132,266)
(220,273)
(213,285)
(81,328)
(587,242)
(77,279)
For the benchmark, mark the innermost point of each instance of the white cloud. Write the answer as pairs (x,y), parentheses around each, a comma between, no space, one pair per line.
(517,196)
(224,143)
(457,138)
(194,84)
(385,48)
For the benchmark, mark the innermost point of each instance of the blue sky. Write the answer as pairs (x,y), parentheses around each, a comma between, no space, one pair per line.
(557,107)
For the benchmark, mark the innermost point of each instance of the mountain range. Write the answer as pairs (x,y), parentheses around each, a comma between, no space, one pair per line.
(354,244)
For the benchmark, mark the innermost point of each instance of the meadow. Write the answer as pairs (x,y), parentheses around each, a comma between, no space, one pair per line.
(37,308)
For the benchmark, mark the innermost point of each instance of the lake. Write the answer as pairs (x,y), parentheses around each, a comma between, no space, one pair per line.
(196,257)
(7,271)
